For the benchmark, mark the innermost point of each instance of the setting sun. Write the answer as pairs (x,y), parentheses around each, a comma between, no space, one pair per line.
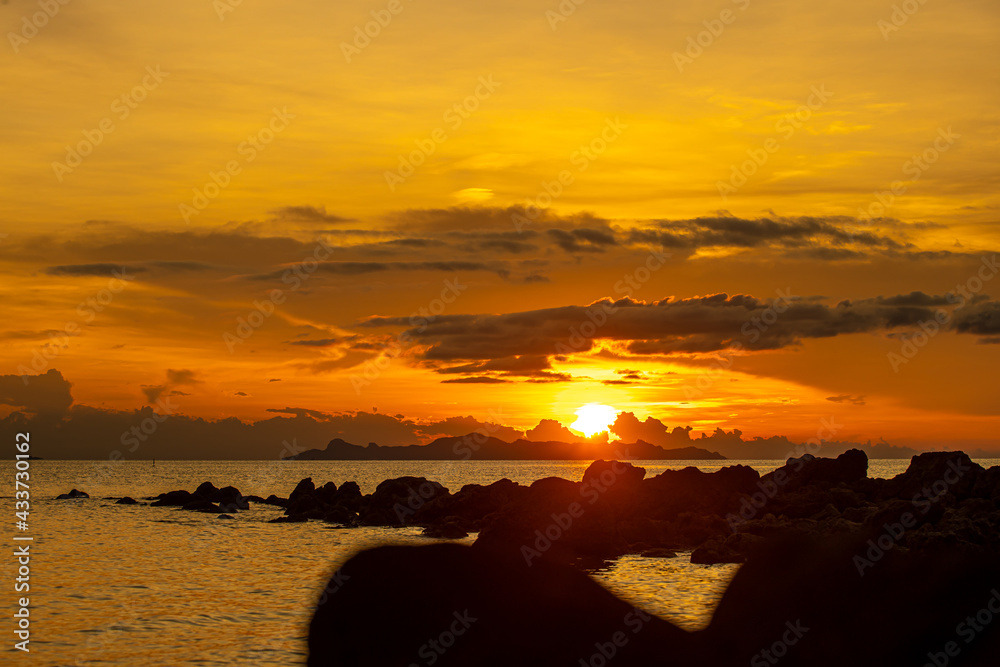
(594,418)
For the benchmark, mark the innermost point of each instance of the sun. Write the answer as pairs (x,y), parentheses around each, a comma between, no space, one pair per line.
(594,418)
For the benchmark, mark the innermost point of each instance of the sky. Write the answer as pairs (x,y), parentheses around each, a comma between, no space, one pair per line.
(722,215)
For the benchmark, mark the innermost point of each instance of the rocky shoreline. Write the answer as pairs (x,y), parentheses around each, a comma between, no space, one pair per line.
(838,568)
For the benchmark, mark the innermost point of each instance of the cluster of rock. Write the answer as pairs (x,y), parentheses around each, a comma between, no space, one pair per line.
(206,498)
(943,499)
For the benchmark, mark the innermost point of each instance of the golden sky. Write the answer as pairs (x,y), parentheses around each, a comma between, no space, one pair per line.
(502,166)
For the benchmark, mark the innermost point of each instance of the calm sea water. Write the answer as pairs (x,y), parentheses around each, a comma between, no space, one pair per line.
(133,585)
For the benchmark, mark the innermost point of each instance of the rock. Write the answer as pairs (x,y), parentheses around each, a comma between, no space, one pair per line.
(256,499)
(224,516)
(201,505)
(172,498)
(613,475)
(497,612)
(396,501)
(446,531)
(303,488)
(208,491)
(945,477)
(72,495)
(230,499)
(126,501)
(275,500)
(735,548)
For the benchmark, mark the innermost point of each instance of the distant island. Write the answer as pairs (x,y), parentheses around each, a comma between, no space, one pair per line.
(480,447)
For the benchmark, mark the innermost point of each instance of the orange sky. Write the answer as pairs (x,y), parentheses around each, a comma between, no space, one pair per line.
(263,156)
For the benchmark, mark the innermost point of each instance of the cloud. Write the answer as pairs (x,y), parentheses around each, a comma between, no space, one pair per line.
(309,214)
(152,392)
(551,430)
(981,318)
(45,395)
(523,341)
(182,376)
(845,398)
(323,342)
(103,269)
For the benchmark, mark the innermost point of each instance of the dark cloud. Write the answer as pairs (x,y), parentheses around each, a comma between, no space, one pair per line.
(846,398)
(982,318)
(551,430)
(153,392)
(476,379)
(670,326)
(323,342)
(46,395)
(99,269)
(583,239)
(311,214)
(181,376)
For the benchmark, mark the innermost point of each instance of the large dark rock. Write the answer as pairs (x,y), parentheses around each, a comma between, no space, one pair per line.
(173,498)
(72,494)
(303,488)
(799,601)
(488,611)
(937,476)
(127,500)
(396,501)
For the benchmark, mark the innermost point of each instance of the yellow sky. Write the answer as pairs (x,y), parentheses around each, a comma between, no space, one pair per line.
(612,110)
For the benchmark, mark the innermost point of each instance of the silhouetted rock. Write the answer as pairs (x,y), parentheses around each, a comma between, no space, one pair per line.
(396,501)
(201,505)
(224,517)
(230,499)
(72,494)
(303,488)
(126,501)
(171,498)
(477,608)
(799,601)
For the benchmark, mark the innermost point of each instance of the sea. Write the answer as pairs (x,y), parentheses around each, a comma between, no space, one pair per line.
(137,585)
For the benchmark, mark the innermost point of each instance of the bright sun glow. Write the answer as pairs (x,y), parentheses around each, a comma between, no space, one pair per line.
(593,418)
